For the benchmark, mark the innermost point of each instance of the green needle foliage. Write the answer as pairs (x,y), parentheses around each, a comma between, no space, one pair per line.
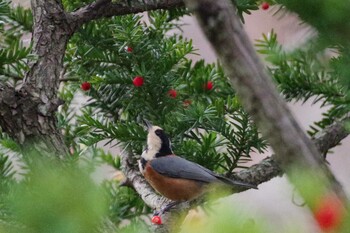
(56,199)
(308,73)
(213,125)
(206,125)
(15,25)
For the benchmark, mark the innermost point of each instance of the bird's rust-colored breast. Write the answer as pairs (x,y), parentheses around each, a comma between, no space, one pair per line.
(173,188)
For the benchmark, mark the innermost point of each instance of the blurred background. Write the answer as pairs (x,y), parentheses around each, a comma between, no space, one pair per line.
(275,199)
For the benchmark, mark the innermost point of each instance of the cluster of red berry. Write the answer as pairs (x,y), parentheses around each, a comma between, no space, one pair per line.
(138,81)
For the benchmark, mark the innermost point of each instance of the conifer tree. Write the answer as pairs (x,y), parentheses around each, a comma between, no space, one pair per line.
(131,67)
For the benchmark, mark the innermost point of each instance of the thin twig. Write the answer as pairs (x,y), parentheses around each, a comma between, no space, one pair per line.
(69,79)
(106,8)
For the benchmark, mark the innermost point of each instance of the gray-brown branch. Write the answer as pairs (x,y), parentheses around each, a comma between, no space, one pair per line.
(107,8)
(268,168)
(293,149)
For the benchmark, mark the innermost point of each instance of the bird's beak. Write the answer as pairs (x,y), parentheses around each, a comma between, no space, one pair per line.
(148,124)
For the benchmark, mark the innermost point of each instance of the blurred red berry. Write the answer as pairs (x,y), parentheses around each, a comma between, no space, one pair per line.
(138,81)
(209,85)
(329,213)
(85,86)
(156,220)
(129,49)
(265,6)
(172,93)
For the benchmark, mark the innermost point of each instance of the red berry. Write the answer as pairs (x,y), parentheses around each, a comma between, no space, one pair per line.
(209,85)
(156,220)
(265,6)
(85,86)
(329,213)
(172,93)
(129,49)
(138,81)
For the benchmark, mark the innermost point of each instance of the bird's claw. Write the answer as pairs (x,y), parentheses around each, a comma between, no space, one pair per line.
(161,212)
(156,213)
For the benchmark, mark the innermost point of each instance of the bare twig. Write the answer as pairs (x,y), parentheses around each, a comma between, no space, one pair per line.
(106,8)
(332,135)
(69,79)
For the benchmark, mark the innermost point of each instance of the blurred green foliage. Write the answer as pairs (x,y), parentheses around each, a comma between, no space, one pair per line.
(55,198)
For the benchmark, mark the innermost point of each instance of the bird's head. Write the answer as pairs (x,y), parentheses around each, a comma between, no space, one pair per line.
(158,143)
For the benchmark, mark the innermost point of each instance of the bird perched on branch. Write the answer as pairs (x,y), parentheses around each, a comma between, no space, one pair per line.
(174,177)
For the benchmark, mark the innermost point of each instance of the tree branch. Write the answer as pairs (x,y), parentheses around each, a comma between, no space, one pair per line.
(106,8)
(268,168)
(139,184)
(294,150)
(332,135)
(259,173)
(146,192)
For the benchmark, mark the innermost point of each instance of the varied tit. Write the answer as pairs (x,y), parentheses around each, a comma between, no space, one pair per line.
(174,177)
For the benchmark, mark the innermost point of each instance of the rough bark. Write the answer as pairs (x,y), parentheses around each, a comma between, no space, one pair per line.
(28,114)
(332,135)
(294,150)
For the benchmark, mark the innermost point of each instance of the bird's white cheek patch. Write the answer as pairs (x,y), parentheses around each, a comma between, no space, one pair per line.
(154,142)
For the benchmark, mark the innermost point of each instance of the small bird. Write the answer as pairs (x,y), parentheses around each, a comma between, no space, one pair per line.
(174,177)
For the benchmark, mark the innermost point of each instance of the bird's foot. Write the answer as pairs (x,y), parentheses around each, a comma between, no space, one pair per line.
(156,213)
(165,209)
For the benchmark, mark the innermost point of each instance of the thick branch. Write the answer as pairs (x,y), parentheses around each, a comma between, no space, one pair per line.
(259,173)
(268,168)
(258,95)
(106,8)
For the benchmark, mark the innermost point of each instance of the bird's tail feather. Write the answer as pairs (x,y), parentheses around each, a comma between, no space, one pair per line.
(236,183)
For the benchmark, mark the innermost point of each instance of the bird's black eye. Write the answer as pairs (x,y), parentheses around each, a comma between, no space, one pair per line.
(158,132)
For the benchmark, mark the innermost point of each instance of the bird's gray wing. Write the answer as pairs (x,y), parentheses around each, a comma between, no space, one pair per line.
(177,167)
(229,181)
